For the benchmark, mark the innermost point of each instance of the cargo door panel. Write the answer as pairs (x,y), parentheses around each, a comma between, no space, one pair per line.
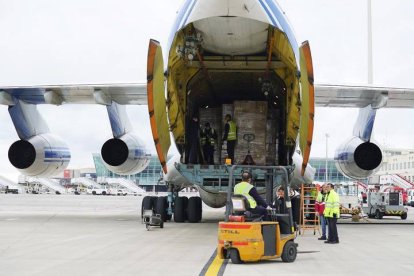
(157,103)
(308,103)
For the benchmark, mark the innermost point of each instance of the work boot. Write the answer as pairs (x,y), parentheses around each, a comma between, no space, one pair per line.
(323,238)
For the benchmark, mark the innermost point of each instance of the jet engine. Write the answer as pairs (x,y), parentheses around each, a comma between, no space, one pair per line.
(42,155)
(125,155)
(358,159)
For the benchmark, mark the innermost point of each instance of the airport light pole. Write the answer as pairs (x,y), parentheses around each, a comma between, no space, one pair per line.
(369,34)
(326,158)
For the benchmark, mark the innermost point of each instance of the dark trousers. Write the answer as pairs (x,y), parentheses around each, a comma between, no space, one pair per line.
(193,159)
(260,210)
(333,231)
(230,150)
(208,151)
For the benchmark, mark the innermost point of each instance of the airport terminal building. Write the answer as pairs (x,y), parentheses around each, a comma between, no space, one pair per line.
(148,179)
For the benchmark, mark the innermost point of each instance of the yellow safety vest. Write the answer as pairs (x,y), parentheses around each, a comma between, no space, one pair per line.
(320,197)
(204,137)
(243,188)
(232,131)
(331,205)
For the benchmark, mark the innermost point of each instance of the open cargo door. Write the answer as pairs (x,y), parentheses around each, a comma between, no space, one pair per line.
(308,103)
(157,103)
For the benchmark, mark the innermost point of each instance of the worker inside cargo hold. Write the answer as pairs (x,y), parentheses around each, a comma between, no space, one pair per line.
(193,137)
(230,136)
(208,138)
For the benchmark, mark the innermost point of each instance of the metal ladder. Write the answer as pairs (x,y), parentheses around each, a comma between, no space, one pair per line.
(309,219)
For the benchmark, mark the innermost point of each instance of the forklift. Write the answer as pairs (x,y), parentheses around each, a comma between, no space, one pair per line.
(244,237)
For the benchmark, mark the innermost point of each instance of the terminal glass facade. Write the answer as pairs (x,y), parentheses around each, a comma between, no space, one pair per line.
(148,177)
(334,175)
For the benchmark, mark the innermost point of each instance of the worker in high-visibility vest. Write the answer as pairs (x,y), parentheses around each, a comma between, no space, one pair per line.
(230,135)
(332,213)
(208,137)
(320,208)
(257,204)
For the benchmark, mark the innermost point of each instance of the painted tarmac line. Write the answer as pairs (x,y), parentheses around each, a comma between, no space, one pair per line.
(214,266)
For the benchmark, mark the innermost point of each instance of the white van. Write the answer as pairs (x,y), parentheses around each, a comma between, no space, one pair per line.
(410,197)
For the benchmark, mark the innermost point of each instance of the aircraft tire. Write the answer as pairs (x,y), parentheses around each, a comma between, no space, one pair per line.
(180,206)
(199,208)
(193,210)
(146,204)
(161,207)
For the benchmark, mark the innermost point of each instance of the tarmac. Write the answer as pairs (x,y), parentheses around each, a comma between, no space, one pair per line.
(103,235)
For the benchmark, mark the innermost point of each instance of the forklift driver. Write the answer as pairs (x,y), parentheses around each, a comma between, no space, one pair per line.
(257,203)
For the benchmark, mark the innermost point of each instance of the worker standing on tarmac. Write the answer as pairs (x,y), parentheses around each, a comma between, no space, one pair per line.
(208,137)
(320,208)
(331,213)
(257,204)
(230,135)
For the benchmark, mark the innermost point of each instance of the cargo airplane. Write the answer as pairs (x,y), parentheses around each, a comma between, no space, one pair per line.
(219,53)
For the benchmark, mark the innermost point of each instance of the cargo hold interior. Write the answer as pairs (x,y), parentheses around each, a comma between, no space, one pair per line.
(256,103)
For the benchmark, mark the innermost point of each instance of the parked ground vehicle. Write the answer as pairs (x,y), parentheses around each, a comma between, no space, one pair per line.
(380,204)
(410,197)
(121,192)
(97,191)
(11,190)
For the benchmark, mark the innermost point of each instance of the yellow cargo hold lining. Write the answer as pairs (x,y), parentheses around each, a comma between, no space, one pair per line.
(181,72)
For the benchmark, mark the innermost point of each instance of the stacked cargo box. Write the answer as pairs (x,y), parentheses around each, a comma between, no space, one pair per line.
(250,118)
(271,137)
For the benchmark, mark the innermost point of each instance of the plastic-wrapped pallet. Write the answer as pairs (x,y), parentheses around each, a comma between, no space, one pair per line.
(250,118)
(212,116)
(271,136)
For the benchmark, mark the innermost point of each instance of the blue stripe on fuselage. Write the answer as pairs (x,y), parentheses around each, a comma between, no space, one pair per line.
(186,9)
(57,154)
(279,20)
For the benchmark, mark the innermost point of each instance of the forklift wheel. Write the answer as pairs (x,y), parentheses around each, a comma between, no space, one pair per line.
(289,252)
(404,216)
(234,256)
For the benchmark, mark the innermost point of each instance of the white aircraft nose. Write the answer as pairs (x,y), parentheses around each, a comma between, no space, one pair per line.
(201,9)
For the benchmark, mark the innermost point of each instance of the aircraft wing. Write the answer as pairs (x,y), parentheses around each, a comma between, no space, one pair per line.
(325,95)
(360,96)
(80,94)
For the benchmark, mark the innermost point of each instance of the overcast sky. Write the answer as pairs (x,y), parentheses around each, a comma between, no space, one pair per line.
(105,41)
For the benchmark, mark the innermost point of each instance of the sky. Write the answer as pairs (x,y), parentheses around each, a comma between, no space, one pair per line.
(105,41)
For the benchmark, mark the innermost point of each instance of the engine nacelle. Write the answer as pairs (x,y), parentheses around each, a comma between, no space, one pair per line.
(42,155)
(358,159)
(125,155)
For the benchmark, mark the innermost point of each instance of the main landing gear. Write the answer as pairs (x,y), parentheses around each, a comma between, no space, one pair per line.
(181,208)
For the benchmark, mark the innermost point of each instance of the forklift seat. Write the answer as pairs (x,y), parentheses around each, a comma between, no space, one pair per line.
(240,204)
(241,207)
